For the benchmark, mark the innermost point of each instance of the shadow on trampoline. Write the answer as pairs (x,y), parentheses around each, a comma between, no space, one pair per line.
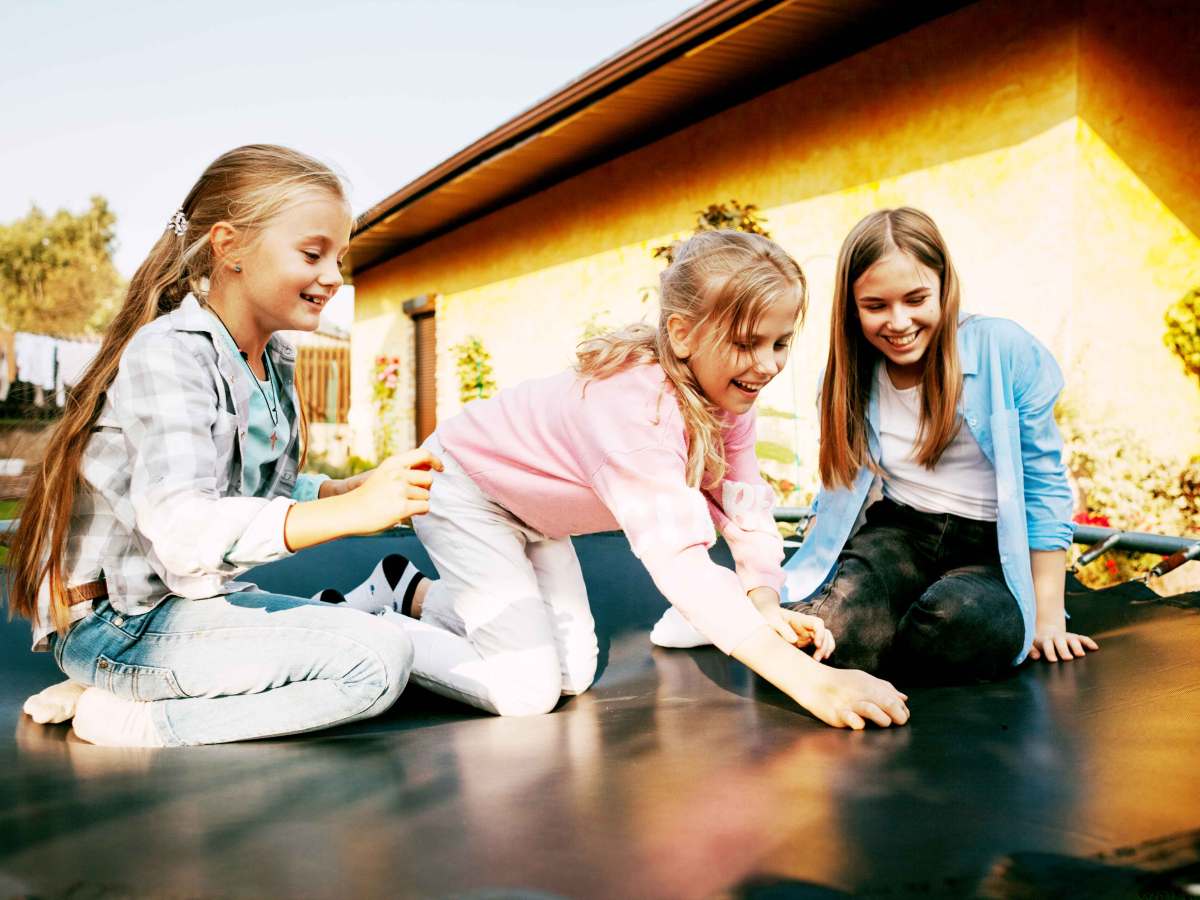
(678,775)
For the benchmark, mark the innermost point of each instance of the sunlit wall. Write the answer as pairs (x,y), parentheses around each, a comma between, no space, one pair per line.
(1053,143)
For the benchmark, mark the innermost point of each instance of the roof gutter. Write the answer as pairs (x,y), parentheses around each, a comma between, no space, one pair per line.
(692,31)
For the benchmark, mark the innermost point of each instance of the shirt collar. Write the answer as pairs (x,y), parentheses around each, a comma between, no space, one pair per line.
(191,315)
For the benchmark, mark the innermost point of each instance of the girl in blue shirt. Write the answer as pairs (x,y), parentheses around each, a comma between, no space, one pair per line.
(938,551)
(939,546)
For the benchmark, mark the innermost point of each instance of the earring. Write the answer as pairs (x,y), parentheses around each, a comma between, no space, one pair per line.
(237,267)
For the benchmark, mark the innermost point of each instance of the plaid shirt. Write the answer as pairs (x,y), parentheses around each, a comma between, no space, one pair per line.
(162,510)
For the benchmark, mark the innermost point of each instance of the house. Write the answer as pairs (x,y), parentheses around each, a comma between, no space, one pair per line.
(1054,142)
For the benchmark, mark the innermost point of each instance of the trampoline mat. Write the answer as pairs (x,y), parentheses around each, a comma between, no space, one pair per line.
(678,775)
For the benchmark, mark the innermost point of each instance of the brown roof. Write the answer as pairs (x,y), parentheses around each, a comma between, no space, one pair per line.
(715,55)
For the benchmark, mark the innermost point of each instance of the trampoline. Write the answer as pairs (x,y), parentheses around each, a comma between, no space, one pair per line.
(678,775)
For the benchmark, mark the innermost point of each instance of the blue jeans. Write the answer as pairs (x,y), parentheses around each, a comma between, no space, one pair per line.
(246,665)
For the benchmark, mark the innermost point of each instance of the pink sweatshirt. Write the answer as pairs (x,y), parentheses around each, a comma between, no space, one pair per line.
(568,456)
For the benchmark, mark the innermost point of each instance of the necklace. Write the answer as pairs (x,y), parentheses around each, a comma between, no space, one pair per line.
(272,402)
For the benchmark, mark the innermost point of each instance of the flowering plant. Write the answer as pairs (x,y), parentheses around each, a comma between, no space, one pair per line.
(474,367)
(1122,484)
(385,385)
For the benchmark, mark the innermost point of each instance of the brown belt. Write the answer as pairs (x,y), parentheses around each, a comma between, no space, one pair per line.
(93,590)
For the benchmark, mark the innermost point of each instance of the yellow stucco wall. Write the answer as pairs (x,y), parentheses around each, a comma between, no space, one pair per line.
(975,118)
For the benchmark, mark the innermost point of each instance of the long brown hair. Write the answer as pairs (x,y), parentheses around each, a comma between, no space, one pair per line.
(727,278)
(247,187)
(849,370)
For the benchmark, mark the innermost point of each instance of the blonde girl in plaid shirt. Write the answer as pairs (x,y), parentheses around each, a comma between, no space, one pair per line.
(146,509)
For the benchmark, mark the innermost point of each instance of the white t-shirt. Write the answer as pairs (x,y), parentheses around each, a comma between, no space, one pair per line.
(962,483)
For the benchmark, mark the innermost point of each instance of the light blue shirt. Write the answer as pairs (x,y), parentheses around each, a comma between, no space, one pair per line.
(259,453)
(1010,385)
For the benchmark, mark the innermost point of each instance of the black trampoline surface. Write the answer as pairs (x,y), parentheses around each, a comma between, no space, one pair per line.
(677,775)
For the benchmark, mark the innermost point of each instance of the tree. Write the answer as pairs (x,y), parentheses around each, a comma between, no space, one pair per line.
(56,272)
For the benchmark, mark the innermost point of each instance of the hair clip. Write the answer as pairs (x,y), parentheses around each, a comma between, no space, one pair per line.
(178,223)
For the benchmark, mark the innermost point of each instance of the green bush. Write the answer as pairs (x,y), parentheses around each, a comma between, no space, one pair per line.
(319,464)
(1183,330)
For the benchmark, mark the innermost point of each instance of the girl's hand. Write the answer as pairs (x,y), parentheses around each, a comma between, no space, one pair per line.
(335,487)
(395,490)
(798,629)
(801,630)
(1054,643)
(839,697)
(849,698)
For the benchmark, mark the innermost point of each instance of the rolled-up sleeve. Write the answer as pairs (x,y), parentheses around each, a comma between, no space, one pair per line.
(670,531)
(1037,383)
(743,509)
(308,487)
(170,412)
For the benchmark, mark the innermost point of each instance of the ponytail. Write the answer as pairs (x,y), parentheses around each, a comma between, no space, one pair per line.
(246,187)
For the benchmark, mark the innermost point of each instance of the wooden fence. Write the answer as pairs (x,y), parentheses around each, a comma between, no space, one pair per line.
(323,381)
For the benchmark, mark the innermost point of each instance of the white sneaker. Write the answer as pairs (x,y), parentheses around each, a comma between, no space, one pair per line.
(673,630)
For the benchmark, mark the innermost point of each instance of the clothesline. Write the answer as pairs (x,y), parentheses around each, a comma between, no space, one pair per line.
(50,364)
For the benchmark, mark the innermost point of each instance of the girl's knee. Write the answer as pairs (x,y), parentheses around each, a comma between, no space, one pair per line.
(578,678)
(529,691)
(961,607)
(387,659)
(961,635)
(579,666)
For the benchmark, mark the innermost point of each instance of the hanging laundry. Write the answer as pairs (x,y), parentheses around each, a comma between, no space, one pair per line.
(8,363)
(35,359)
(73,359)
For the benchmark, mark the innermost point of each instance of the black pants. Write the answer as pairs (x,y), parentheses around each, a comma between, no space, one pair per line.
(921,597)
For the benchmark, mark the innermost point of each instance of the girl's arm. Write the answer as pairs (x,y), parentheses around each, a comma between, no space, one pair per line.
(1051,638)
(669,529)
(742,508)
(168,410)
(1037,383)
(396,490)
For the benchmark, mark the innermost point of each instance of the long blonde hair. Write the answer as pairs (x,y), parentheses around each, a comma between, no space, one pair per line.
(846,391)
(247,187)
(726,278)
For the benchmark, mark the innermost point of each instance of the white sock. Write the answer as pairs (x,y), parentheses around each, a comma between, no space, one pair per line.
(673,630)
(54,704)
(391,585)
(111,721)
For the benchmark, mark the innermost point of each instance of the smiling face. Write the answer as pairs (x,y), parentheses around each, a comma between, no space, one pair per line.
(899,309)
(732,375)
(293,266)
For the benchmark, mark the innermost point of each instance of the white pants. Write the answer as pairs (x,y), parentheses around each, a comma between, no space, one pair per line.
(507,626)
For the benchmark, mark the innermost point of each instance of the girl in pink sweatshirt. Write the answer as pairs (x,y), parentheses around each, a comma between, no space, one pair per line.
(652,433)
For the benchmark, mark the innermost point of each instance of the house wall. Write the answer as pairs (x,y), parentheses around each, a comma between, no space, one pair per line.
(1062,182)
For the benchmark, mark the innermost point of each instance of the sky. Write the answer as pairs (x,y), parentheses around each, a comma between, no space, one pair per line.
(132,99)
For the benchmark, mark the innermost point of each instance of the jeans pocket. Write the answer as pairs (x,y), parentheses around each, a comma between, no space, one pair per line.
(137,682)
(58,644)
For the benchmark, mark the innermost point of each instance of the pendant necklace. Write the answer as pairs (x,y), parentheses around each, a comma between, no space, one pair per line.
(272,407)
